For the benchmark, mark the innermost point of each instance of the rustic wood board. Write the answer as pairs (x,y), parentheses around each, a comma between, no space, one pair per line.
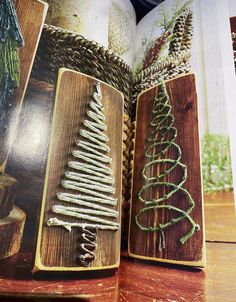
(56,248)
(233,24)
(31,15)
(220,228)
(8,187)
(11,233)
(142,244)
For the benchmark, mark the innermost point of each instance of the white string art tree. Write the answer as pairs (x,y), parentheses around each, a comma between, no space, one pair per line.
(90,181)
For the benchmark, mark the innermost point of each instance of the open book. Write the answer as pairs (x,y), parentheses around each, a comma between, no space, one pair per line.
(208,54)
(183,79)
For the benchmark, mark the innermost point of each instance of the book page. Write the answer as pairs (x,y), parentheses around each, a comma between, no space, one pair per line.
(111,23)
(148,30)
(231,106)
(211,59)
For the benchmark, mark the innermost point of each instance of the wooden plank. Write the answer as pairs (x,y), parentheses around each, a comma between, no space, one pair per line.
(31,15)
(57,249)
(11,233)
(220,228)
(8,187)
(136,281)
(233,24)
(144,244)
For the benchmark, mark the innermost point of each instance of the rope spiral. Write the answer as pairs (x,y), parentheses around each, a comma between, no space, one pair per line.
(161,138)
(87,246)
(90,176)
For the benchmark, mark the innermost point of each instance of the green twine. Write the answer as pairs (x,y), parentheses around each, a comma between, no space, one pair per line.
(9,61)
(160,139)
(10,40)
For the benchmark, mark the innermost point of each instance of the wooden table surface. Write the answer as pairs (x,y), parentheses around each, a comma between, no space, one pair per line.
(138,281)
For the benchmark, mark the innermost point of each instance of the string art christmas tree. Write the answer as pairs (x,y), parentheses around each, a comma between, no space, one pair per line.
(158,190)
(10,40)
(90,176)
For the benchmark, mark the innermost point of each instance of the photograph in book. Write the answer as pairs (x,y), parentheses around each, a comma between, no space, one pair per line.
(17,51)
(231,107)
(181,36)
(80,215)
(167,205)
(175,38)
(112,23)
(185,43)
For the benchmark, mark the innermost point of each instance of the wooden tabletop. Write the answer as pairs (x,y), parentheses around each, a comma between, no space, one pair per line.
(137,280)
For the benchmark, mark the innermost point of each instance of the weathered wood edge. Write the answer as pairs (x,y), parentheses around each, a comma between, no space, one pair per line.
(202,262)
(45,6)
(45,9)
(38,266)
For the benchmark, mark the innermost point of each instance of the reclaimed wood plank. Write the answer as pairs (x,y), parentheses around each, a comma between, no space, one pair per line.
(31,15)
(56,247)
(135,281)
(220,228)
(144,244)
(11,233)
(233,24)
(8,187)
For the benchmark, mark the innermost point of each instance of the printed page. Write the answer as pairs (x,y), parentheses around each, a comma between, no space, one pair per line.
(111,23)
(212,63)
(231,101)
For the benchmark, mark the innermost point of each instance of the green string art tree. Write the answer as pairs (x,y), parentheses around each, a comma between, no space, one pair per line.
(158,190)
(10,40)
(90,176)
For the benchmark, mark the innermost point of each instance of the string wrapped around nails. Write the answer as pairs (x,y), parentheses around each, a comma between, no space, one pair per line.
(90,177)
(160,139)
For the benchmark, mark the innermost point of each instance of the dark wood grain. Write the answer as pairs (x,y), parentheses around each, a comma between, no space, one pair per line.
(136,281)
(57,249)
(183,98)
(145,281)
(8,187)
(11,233)
(220,216)
(31,15)
(233,24)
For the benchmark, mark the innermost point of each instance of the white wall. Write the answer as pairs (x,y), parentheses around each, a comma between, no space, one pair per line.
(212,61)
(232,8)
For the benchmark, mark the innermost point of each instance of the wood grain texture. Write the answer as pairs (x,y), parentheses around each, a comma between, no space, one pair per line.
(135,281)
(56,248)
(11,232)
(142,244)
(220,228)
(31,15)
(8,187)
(233,24)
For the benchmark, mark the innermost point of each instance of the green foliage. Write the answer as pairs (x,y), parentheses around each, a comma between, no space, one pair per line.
(167,21)
(9,61)
(216,163)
